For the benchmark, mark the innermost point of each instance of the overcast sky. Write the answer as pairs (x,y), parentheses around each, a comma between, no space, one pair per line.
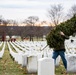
(21,9)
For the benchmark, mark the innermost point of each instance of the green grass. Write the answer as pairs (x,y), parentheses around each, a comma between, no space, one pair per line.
(10,67)
(60,69)
(1,47)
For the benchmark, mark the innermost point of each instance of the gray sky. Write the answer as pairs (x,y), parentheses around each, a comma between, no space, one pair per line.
(21,9)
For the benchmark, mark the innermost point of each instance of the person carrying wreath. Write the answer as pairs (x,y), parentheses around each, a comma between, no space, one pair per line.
(61,50)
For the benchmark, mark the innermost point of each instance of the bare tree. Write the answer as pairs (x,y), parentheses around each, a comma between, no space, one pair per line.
(30,21)
(56,14)
(72,11)
(12,23)
(1,20)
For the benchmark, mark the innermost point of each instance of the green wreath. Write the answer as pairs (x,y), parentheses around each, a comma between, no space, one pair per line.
(54,40)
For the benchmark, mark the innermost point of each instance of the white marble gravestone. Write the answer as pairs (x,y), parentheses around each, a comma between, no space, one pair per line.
(46,66)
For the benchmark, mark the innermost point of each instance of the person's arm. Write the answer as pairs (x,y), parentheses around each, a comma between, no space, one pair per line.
(66,37)
(61,33)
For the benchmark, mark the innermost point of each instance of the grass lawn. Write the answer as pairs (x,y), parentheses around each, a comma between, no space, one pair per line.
(10,67)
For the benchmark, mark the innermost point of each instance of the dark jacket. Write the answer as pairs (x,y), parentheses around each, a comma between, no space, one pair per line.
(62,45)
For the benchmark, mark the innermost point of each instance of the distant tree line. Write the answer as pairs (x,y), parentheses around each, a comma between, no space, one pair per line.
(25,31)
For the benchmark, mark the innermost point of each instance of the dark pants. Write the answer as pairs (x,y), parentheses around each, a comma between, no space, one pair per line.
(62,54)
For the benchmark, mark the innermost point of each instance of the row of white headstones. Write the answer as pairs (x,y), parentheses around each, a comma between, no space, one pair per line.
(2,50)
(70,46)
(35,61)
(37,57)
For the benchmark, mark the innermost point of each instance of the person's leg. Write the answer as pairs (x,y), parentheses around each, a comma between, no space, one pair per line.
(61,53)
(55,55)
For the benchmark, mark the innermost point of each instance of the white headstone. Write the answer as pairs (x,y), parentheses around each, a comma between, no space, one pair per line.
(32,64)
(57,61)
(46,66)
(24,60)
(71,63)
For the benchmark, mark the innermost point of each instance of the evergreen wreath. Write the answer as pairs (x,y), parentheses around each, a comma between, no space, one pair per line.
(53,38)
